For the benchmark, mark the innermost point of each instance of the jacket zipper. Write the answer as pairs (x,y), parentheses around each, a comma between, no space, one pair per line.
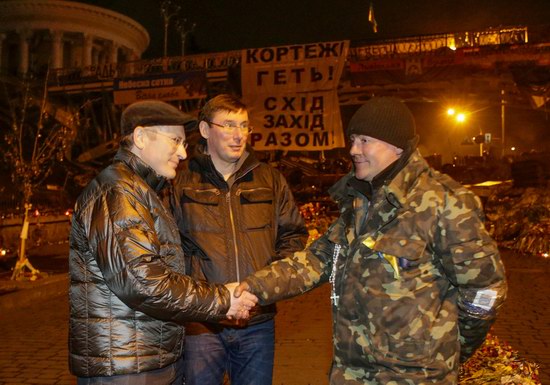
(231,218)
(240,191)
(236,249)
(214,190)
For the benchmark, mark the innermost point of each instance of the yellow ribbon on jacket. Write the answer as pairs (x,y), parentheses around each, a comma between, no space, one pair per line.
(392,259)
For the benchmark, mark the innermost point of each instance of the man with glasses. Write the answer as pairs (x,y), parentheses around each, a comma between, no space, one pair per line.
(129,295)
(236,215)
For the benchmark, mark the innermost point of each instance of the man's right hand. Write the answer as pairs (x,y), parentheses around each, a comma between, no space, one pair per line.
(241,301)
(243,286)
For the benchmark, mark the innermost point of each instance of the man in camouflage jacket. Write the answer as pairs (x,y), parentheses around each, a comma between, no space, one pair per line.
(416,278)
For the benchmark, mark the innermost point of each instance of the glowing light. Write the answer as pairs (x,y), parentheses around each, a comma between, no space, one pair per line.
(545,255)
(451,111)
(513,148)
(451,44)
(460,117)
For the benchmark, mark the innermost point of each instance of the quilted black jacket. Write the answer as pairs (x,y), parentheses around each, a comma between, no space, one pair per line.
(129,295)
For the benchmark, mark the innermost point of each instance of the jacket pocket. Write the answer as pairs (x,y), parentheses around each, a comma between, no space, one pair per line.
(471,250)
(257,208)
(408,252)
(411,249)
(201,211)
(205,197)
(403,351)
(372,340)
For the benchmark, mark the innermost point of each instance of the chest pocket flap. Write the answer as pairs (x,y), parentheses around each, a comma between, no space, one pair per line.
(205,197)
(201,212)
(256,208)
(258,195)
(410,249)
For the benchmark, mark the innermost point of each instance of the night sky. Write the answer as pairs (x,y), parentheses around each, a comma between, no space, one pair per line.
(236,24)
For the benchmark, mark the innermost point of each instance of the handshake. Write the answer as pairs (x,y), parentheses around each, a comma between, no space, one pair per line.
(241,300)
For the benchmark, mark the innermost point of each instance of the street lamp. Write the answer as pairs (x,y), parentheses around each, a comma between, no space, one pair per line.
(460,117)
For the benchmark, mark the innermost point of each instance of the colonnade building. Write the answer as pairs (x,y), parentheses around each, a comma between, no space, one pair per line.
(39,34)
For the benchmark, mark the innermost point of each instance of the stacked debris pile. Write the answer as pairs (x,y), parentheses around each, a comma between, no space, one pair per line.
(519,218)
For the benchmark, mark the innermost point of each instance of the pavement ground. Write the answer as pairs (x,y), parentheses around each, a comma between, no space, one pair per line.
(33,333)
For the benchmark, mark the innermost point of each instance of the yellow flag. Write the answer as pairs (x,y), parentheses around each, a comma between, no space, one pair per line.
(372,20)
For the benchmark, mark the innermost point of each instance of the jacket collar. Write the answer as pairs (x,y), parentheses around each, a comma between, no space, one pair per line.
(150,176)
(201,161)
(403,182)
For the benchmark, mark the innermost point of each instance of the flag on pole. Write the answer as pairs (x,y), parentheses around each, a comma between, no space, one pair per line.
(372,20)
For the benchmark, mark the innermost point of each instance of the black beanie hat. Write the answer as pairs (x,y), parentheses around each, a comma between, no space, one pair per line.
(148,113)
(384,118)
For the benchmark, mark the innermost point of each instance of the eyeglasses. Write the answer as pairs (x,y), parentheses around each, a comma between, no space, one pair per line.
(230,127)
(176,141)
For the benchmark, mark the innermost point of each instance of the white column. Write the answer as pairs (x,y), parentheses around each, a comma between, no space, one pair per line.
(102,57)
(24,36)
(74,58)
(57,49)
(134,55)
(95,56)
(87,50)
(113,54)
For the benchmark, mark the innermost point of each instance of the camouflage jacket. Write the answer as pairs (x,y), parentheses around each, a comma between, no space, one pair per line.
(416,278)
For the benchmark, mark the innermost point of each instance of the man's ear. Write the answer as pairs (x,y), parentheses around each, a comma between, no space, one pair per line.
(139,137)
(204,129)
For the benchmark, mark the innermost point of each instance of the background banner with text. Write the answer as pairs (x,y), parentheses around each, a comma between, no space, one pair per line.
(291,92)
(185,85)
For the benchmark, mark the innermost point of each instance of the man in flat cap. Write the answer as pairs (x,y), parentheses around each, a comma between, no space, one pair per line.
(129,295)
(416,279)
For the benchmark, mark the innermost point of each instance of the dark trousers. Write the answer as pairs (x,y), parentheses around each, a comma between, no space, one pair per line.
(246,354)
